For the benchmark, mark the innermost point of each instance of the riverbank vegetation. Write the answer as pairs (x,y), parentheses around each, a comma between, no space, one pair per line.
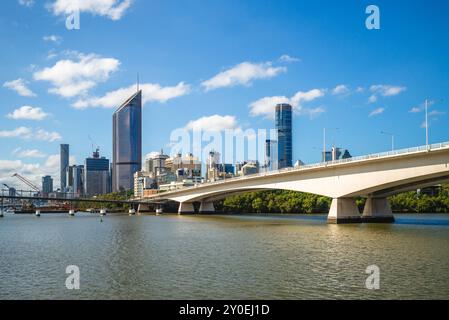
(280,201)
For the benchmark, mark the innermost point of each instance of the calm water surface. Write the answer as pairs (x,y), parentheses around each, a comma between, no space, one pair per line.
(222,257)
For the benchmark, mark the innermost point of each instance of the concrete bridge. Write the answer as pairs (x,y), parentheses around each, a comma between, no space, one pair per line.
(375,177)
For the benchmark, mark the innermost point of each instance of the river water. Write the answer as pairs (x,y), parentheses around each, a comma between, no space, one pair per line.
(222,257)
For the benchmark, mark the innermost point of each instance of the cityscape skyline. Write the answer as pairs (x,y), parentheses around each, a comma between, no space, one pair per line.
(327,76)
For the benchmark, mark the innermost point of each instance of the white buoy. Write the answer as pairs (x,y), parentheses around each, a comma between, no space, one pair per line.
(38,213)
(72,213)
(132,212)
(103,212)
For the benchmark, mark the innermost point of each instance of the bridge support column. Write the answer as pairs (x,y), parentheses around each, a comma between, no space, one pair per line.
(186,208)
(377,210)
(207,207)
(344,210)
(143,208)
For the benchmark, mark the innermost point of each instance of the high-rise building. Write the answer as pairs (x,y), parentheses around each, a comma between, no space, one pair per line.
(47,185)
(335,154)
(127,143)
(96,175)
(64,164)
(271,157)
(283,123)
(78,180)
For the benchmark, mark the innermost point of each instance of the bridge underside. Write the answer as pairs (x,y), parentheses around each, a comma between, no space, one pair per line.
(343,209)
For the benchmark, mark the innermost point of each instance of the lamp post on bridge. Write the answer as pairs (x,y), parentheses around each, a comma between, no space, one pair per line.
(324,141)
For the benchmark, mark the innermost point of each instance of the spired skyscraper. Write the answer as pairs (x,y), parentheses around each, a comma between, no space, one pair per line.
(283,123)
(127,143)
(64,164)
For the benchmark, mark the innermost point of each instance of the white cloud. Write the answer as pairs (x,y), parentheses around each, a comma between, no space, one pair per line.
(340,89)
(287,58)
(313,112)
(28,153)
(377,112)
(242,74)
(415,110)
(213,123)
(112,9)
(384,90)
(32,171)
(151,92)
(52,38)
(31,134)
(387,90)
(152,155)
(28,113)
(266,106)
(19,86)
(72,78)
(26,3)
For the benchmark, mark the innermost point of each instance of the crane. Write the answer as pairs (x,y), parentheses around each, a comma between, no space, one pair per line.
(6,186)
(26,181)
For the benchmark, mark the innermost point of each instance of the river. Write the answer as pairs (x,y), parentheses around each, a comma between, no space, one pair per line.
(222,257)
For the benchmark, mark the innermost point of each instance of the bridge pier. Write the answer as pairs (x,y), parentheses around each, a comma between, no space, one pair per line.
(207,207)
(377,210)
(344,210)
(143,208)
(186,208)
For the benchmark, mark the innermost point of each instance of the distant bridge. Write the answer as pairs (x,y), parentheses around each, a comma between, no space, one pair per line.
(375,177)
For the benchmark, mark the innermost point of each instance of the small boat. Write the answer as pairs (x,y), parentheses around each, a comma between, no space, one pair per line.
(103,212)
(132,212)
(159,211)
(72,213)
(38,213)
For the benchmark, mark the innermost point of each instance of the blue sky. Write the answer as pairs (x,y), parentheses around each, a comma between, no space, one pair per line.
(227,59)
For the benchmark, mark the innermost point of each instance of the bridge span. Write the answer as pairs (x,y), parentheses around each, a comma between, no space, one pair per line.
(375,177)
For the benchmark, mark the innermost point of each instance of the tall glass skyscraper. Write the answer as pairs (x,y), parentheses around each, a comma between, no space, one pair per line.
(64,164)
(127,143)
(283,122)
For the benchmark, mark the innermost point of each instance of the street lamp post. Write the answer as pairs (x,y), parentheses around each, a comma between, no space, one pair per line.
(324,142)
(392,138)
(427,125)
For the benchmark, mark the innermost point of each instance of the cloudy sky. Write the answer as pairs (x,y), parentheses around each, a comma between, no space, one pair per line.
(218,64)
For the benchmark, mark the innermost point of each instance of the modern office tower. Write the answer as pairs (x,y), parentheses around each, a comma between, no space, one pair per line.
(212,166)
(96,175)
(159,165)
(271,158)
(127,143)
(64,164)
(283,123)
(78,180)
(47,185)
(336,154)
(143,181)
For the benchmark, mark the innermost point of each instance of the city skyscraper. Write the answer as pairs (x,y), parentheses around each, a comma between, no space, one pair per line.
(127,143)
(64,164)
(47,185)
(96,175)
(283,123)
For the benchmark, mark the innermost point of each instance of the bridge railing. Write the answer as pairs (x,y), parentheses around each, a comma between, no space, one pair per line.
(430,147)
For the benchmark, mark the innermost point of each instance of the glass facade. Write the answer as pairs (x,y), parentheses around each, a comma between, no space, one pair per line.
(127,143)
(64,164)
(283,122)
